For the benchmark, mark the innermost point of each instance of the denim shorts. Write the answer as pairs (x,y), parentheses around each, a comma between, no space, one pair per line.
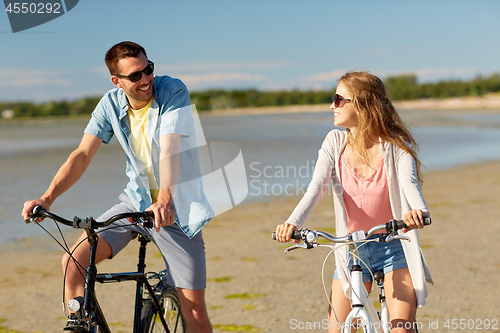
(184,258)
(379,256)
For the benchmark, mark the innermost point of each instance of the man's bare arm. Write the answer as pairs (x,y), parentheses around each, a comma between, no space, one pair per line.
(169,172)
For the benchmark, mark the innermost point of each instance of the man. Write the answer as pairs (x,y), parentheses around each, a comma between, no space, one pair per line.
(152,119)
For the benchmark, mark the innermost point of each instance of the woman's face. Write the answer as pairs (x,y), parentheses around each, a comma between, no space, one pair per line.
(345,116)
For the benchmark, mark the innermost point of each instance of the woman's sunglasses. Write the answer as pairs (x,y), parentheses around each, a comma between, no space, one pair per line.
(136,76)
(340,101)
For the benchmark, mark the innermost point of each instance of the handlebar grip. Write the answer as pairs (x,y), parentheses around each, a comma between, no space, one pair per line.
(400,224)
(35,213)
(295,235)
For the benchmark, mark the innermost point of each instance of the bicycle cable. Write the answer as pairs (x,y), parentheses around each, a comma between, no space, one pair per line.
(336,248)
(333,249)
(66,249)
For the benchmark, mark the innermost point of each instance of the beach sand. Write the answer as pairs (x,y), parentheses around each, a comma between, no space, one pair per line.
(254,287)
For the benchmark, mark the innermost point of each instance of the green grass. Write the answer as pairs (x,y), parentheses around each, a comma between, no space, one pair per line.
(236,328)
(245,296)
(216,307)
(247,307)
(221,279)
(8,330)
(118,323)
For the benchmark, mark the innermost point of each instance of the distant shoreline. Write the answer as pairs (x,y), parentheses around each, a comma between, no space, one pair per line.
(488,103)
(484,104)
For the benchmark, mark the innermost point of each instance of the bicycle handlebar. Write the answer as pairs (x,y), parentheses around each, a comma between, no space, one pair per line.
(391,227)
(140,218)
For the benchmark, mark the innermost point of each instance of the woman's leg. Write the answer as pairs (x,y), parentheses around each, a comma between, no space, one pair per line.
(341,307)
(401,300)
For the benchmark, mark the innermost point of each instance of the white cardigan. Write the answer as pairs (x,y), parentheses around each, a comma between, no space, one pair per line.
(404,195)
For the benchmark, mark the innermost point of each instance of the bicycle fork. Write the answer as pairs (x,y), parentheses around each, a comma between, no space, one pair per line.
(363,311)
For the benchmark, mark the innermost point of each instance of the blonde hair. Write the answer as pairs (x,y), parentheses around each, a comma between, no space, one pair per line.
(377,116)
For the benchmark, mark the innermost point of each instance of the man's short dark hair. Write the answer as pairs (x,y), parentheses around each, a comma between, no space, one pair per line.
(120,51)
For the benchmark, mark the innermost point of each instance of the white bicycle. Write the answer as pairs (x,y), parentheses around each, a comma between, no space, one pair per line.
(363,314)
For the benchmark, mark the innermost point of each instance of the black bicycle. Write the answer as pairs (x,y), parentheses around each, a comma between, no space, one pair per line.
(157,306)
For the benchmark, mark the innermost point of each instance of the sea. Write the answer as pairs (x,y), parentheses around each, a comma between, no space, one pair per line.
(278,151)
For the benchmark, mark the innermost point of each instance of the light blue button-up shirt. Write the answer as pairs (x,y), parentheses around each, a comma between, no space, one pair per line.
(170,113)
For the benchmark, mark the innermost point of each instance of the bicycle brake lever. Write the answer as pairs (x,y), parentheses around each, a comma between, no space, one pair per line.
(143,223)
(301,246)
(391,238)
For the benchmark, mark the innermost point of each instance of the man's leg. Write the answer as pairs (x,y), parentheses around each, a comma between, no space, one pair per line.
(75,274)
(186,265)
(194,310)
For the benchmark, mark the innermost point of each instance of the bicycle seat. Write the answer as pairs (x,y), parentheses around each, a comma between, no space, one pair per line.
(378,276)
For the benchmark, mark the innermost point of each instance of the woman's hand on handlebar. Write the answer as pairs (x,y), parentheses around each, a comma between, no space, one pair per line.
(414,219)
(284,233)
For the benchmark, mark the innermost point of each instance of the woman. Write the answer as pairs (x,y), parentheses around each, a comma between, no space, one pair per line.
(376,177)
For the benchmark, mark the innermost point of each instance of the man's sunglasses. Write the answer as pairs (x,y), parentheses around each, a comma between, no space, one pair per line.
(340,101)
(136,76)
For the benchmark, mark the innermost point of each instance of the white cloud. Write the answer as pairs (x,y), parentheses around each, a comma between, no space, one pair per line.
(426,74)
(430,74)
(212,74)
(207,67)
(198,67)
(102,70)
(26,78)
(193,79)
(325,77)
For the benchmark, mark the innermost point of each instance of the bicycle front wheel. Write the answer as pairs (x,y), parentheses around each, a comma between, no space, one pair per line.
(170,311)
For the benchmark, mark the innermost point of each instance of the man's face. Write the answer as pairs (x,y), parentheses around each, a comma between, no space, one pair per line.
(138,93)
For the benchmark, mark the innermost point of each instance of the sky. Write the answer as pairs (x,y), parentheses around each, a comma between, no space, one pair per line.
(261,44)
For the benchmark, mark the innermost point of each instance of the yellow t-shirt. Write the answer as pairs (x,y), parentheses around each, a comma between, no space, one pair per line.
(138,120)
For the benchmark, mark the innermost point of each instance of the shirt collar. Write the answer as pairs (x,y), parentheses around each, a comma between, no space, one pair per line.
(123,102)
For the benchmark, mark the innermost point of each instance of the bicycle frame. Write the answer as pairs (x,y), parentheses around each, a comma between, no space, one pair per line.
(362,307)
(91,304)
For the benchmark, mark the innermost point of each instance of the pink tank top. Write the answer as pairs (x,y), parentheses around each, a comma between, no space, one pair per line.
(366,201)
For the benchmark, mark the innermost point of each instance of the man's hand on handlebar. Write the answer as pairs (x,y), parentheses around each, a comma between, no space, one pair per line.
(284,233)
(164,214)
(29,205)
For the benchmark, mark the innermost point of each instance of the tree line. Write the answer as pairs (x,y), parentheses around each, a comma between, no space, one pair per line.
(402,87)
(406,87)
